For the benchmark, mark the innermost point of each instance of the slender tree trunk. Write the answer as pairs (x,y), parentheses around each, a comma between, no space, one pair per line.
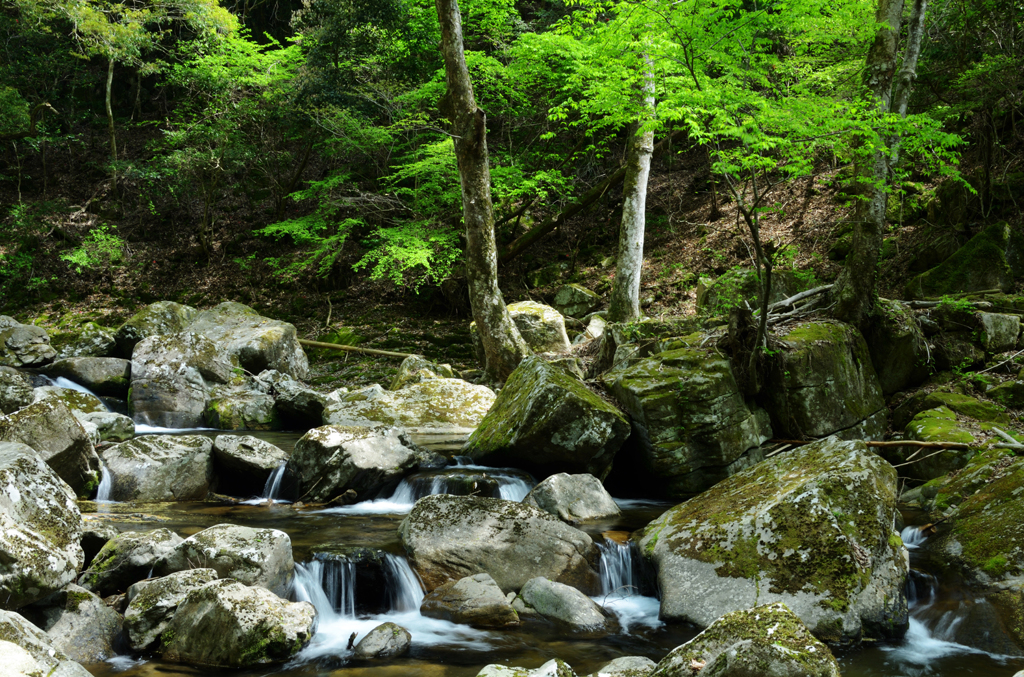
(625,297)
(854,290)
(110,126)
(504,348)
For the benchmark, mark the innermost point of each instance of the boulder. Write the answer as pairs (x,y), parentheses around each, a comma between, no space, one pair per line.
(595,330)
(16,629)
(569,609)
(110,427)
(261,557)
(541,326)
(693,426)
(555,667)
(957,351)
(416,368)
(56,435)
(240,408)
(811,528)
(40,538)
(826,385)
(475,600)
(102,375)
(1008,393)
(765,640)
(156,319)
(87,340)
(160,468)
(81,625)
(432,403)
(898,349)
(94,537)
(626,342)
(154,602)
(575,300)
(169,379)
(25,345)
(244,463)
(387,640)
(17,662)
(296,404)
(451,537)
(961,404)
(330,460)
(931,425)
(1000,331)
(546,421)
(253,342)
(127,558)
(573,498)
(227,624)
(990,260)
(73,399)
(626,666)
(15,391)
(741,284)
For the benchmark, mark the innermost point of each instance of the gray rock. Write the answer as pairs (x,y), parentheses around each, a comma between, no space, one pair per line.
(40,539)
(163,317)
(75,400)
(160,468)
(595,330)
(81,625)
(575,301)
(555,667)
(110,427)
(541,326)
(89,340)
(573,498)
(431,403)
(1000,331)
(475,600)
(695,427)
(25,345)
(227,624)
(417,368)
(451,537)
(898,349)
(154,602)
(232,407)
(19,663)
(169,379)
(626,666)
(261,557)
(254,342)
(94,537)
(387,640)
(811,528)
(103,375)
(15,391)
(568,608)
(127,558)
(766,640)
(546,421)
(16,629)
(244,463)
(56,435)
(297,404)
(330,460)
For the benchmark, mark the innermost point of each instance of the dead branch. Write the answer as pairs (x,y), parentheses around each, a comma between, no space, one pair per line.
(353,349)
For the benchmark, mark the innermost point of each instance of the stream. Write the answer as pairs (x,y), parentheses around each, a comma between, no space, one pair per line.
(444,649)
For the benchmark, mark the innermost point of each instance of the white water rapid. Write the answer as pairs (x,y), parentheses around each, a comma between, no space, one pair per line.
(620,588)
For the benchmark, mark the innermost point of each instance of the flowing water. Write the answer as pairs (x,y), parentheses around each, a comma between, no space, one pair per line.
(936,643)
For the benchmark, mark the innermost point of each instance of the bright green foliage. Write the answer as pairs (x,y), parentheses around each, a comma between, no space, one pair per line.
(101,248)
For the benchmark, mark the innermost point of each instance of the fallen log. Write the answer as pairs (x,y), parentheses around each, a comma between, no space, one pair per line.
(889,443)
(352,349)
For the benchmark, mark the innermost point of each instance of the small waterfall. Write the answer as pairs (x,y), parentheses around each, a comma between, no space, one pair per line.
(617,577)
(405,592)
(913,537)
(330,586)
(272,489)
(106,485)
(513,488)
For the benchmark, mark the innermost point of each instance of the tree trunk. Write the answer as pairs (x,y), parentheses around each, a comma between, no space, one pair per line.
(625,297)
(110,126)
(854,290)
(504,348)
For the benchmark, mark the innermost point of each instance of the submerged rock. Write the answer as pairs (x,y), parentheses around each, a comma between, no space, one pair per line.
(431,403)
(154,602)
(40,528)
(252,341)
(387,640)
(573,498)
(329,460)
(160,318)
(765,640)
(227,624)
(127,558)
(569,609)
(451,537)
(811,528)
(160,468)
(547,421)
(475,600)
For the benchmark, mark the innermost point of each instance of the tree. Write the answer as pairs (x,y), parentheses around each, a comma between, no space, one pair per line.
(504,348)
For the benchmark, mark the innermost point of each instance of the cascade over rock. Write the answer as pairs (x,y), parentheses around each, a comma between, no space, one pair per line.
(244,463)
(103,375)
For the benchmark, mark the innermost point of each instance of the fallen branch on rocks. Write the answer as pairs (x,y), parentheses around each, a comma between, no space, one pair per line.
(352,349)
(785,303)
(1010,442)
(892,443)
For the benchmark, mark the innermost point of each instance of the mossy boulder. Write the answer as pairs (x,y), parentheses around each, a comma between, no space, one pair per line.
(25,345)
(228,624)
(244,463)
(555,667)
(80,625)
(163,317)
(154,602)
(416,368)
(15,390)
(127,558)
(623,342)
(40,528)
(898,349)
(75,400)
(1008,393)
(931,425)
(742,284)
(626,666)
(156,468)
(827,385)
(811,528)
(575,300)
(17,630)
(989,260)
(431,403)
(692,424)
(87,339)
(546,421)
(110,427)
(999,331)
(766,640)
(451,537)
(541,326)
(965,405)
(103,375)
(329,460)
(240,408)
(475,600)
(260,557)
(58,438)
(253,342)
(297,405)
